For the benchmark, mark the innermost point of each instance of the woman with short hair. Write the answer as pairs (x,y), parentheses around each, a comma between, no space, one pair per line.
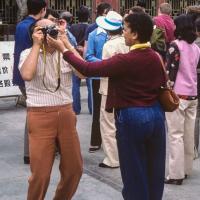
(134,82)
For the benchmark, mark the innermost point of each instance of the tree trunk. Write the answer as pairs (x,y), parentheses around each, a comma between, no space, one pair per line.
(22,9)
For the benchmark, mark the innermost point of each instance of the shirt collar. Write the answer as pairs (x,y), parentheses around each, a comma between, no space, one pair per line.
(100,30)
(112,37)
(141,46)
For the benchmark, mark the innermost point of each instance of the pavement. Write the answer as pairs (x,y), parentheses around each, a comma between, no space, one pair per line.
(96,183)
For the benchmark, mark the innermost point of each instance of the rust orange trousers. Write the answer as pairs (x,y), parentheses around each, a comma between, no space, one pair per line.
(52,128)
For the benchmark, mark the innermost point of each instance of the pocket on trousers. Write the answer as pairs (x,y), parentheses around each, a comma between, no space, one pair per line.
(37,121)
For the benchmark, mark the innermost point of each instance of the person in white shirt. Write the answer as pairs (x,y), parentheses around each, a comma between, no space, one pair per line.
(51,119)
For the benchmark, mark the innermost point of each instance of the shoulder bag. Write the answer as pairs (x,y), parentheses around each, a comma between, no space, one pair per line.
(168,99)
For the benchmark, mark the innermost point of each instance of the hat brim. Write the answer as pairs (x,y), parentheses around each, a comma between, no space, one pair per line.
(103,24)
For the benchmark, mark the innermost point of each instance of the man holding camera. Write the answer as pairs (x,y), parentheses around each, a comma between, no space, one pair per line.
(51,120)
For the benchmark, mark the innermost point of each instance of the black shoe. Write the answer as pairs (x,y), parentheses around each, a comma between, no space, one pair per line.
(107,166)
(186,176)
(174,181)
(26,160)
(92,149)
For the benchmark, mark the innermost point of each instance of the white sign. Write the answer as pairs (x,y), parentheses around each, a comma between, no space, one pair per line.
(6,70)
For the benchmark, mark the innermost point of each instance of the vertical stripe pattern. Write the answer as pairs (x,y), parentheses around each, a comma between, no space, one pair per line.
(37,94)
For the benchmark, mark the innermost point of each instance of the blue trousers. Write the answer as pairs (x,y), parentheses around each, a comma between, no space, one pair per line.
(141,146)
(76,82)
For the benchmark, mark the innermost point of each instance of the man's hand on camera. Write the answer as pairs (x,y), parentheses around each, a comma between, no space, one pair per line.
(38,36)
(56,43)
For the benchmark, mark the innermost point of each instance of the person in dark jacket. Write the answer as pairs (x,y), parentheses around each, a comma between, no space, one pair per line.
(78,30)
(94,41)
(36,10)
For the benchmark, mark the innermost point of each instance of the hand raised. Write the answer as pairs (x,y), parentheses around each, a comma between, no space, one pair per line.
(38,36)
(57,44)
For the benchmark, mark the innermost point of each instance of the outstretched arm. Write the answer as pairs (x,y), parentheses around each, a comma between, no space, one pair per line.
(61,44)
(108,68)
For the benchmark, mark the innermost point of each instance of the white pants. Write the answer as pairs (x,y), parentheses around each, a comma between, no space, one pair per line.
(108,134)
(181,125)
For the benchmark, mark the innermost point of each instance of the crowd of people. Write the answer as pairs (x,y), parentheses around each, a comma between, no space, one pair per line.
(122,59)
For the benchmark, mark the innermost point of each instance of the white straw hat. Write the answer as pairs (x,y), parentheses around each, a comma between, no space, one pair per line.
(112,21)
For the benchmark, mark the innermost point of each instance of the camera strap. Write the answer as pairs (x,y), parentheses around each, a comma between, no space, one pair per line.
(57,70)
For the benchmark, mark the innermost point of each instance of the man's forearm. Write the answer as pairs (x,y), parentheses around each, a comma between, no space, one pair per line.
(29,66)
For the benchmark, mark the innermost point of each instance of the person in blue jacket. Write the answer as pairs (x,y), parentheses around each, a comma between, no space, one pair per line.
(36,11)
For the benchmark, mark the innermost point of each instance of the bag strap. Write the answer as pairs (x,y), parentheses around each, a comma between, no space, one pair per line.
(161,60)
(164,71)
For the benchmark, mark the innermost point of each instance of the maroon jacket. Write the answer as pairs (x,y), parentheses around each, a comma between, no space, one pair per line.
(134,78)
(167,24)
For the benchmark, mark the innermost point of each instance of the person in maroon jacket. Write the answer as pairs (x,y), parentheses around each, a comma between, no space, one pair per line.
(165,22)
(134,82)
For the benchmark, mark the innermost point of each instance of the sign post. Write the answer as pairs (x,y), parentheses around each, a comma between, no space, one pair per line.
(6,70)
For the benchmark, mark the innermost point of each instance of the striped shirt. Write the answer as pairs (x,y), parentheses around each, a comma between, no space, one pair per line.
(37,94)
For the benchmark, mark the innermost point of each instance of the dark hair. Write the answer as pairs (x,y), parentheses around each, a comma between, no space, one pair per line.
(102,7)
(51,12)
(67,16)
(125,12)
(142,24)
(185,29)
(137,9)
(35,6)
(141,3)
(83,14)
(116,32)
(193,12)
(197,24)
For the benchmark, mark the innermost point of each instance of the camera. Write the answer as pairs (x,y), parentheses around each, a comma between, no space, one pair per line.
(51,30)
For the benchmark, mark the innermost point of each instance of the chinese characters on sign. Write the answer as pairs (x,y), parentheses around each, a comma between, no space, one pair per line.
(6,69)
(6,82)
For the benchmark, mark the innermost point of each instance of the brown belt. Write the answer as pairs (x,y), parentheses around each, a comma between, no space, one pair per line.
(185,97)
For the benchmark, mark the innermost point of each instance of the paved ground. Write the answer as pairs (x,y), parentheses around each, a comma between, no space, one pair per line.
(96,183)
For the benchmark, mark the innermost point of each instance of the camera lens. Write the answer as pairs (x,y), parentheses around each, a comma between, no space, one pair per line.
(53,33)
